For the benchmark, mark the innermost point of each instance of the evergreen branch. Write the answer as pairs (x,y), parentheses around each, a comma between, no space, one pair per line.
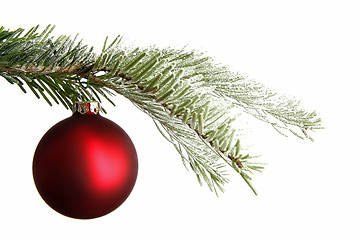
(193,102)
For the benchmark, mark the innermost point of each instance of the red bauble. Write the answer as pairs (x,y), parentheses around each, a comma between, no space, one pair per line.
(86,165)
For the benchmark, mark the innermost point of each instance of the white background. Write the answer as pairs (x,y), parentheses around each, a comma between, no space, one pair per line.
(308,49)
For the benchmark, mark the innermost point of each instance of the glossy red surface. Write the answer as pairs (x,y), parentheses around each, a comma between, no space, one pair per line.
(85,166)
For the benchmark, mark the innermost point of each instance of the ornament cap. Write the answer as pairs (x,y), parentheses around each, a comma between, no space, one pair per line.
(86,107)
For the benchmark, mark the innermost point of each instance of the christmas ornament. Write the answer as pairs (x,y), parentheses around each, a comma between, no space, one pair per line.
(85,166)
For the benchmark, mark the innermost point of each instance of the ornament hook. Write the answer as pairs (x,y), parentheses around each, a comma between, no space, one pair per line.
(87,81)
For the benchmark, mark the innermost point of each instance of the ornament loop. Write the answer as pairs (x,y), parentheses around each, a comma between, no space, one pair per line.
(86,83)
(86,107)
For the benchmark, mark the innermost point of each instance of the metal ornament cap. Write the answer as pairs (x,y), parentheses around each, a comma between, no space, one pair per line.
(86,107)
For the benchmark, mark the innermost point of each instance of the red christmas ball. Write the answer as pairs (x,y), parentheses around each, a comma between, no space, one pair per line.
(85,166)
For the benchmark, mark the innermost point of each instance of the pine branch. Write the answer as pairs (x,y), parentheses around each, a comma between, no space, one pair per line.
(193,102)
